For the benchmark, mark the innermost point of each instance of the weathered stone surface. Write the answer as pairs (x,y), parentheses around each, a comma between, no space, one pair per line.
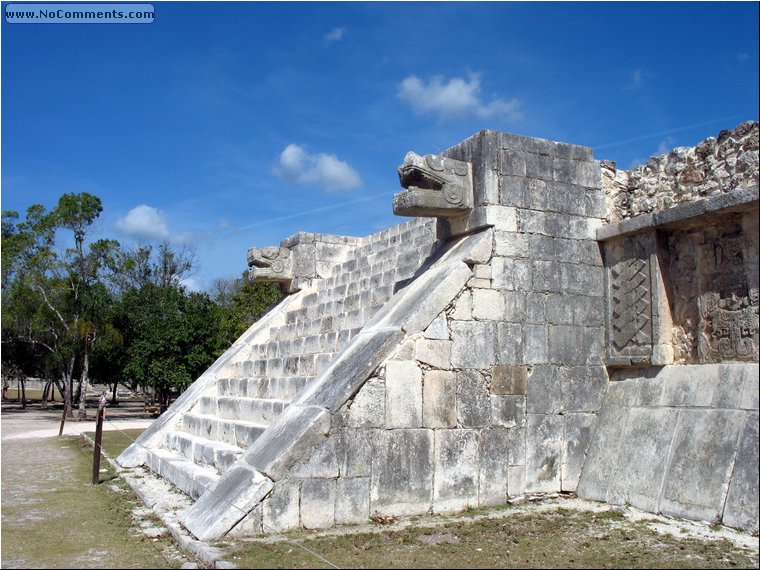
(349,371)
(545,390)
(702,458)
(577,437)
(281,509)
(318,503)
(641,462)
(209,518)
(402,472)
(543,468)
(473,344)
(456,470)
(439,399)
(296,432)
(438,329)
(741,510)
(507,411)
(403,395)
(357,457)
(324,461)
(436,353)
(352,500)
(473,400)
(487,304)
(509,380)
(492,477)
(368,406)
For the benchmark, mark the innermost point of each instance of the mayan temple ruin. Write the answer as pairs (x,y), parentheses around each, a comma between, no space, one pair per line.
(543,322)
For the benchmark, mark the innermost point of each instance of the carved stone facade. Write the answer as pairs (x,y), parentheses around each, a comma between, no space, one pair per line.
(715,290)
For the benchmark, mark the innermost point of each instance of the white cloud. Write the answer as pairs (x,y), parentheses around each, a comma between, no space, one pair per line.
(144,222)
(454,98)
(665,146)
(298,166)
(335,35)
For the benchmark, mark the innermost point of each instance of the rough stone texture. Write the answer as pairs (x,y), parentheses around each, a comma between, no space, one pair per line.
(456,470)
(403,395)
(716,165)
(402,472)
(318,503)
(439,399)
(661,446)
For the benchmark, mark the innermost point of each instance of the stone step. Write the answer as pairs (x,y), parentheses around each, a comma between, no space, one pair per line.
(193,479)
(232,432)
(279,388)
(203,451)
(261,411)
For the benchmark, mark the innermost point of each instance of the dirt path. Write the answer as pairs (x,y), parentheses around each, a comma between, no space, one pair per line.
(53,517)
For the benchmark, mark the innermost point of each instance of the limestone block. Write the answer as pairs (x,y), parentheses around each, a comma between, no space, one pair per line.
(463,307)
(511,245)
(487,304)
(588,311)
(456,470)
(436,353)
(544,390)
(509,380)
(473,400)
(582,279)
(514,303)
(532,222)
(473,344)
(535,308)
(522,274)
(439,399)
(584,252)
(235,495)
(701,461)
(573,345)
(516,481)
(323,462)
(513,191)
(479,283)
(689,385)
(507,411)
(538,166)
(492,475)
(509,343)
(516,448)
(730,384)
(536,349)
(402,472)
(575,445)
(750,393)
(352,500)
(357,456)
(558,310)
(741,510)
(280,510)
(318,503)
(438,329)
(481,271)
(642,458)
(501,272)
(543,469)
(547,276)
(583,388)
(368,407)
(296,432)
(403,394)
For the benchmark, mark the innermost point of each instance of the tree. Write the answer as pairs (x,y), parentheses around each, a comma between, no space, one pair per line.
(170,337)
(243,302)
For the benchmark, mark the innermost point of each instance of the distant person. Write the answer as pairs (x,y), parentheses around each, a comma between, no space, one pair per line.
(102,403)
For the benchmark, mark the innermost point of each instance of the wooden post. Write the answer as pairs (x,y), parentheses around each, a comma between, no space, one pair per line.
(65,411)
(98,439)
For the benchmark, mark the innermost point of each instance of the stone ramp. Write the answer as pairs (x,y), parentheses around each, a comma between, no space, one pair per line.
(253,384)
(299,431)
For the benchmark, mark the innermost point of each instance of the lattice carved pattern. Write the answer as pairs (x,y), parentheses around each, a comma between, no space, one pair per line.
(630,304)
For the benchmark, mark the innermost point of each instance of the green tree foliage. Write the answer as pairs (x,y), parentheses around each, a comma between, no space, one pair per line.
(112,314)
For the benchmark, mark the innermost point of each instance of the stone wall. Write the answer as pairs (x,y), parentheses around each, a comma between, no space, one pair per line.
(523,346)
(714,166)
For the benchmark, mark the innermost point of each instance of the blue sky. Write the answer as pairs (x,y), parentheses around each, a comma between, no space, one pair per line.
(230,125)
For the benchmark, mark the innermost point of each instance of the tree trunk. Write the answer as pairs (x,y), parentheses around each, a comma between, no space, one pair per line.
(114,394)
(67,381)
(83,383)
(48,386)
(22,382)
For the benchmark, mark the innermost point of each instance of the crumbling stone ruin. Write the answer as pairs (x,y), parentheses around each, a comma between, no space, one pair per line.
(545,323)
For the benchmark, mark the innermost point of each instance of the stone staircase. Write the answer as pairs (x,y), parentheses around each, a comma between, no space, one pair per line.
(252,390)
